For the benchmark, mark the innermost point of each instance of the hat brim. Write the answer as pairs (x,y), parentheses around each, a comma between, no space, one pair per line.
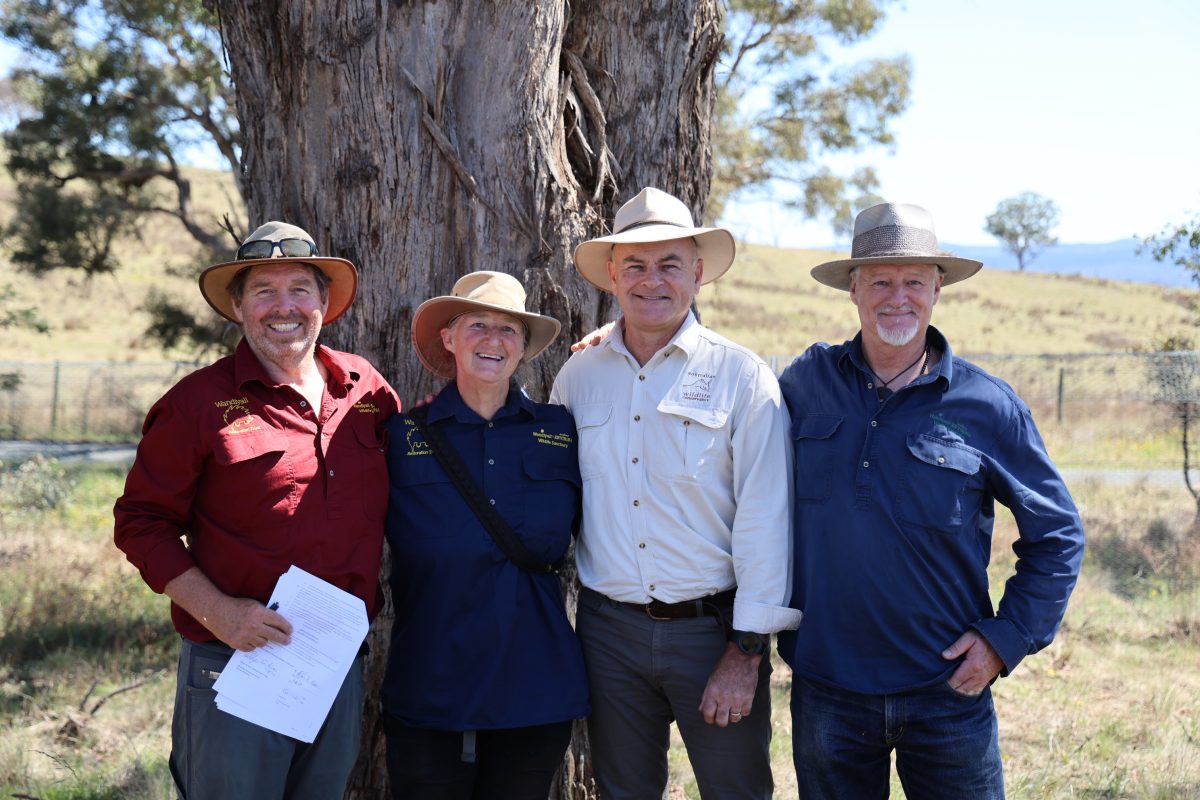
(837,273)
(435,313)
(715,247)
(343,283)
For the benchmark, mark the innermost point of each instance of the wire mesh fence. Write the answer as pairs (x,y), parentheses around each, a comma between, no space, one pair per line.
(1113,410)
(1120,410)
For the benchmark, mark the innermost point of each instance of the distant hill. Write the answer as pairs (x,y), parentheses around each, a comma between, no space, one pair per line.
(1114,261)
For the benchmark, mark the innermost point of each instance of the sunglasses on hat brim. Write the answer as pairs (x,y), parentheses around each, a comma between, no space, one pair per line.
(290,248)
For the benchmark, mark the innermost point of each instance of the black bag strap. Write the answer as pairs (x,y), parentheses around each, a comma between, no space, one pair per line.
(493,523)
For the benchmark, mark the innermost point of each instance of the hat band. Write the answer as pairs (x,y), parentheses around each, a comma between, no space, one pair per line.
(644,223)
(894,240)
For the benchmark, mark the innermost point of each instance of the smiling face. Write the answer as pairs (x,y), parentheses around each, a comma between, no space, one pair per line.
(655,284)
(895,301)
(281,310)
(487,346)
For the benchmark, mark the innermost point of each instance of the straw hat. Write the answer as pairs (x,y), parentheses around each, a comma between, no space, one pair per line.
(894,233)
(343,277)
(654,216)
(476,291)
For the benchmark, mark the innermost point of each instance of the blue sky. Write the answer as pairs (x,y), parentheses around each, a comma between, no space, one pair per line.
(1093,104)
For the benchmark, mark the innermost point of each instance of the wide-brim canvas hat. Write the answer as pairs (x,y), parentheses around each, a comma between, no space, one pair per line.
(476,291)
(343,277)
(894,233)
(654,216)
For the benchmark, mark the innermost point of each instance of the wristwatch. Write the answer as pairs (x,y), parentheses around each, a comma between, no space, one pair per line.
(750,643)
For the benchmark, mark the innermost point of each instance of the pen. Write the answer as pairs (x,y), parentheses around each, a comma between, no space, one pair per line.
(274,606)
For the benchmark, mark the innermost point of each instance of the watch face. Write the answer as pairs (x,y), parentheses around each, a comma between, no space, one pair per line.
(751,643)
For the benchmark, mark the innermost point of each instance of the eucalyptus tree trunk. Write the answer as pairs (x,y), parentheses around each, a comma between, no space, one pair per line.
(425,140)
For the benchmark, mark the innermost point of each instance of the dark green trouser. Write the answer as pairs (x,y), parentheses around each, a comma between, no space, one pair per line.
(217,756)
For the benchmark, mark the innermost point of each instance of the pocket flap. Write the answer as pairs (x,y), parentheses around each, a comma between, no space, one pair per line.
(235,447)
(542,466)
(940,453)
(591,415)
(708,417)
(815,426)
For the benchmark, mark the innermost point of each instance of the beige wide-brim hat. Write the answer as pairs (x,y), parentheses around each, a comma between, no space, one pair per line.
(894,233)
(343,277)
(476,291)
(654,216)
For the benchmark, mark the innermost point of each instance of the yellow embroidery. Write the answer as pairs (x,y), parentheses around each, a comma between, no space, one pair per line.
(417,446)
(237,417)
(366,408)
(553,439)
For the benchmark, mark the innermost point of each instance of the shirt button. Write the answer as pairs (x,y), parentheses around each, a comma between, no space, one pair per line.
(870,386)
(641,545)
(873,423)
(635,459)
(651,587)
(492,501)
(491,462)
(331,473)
(866,463)
(687,422)
(303,404)
(941,459)
(636,503)
(490,425)
(641,377)
(637,417)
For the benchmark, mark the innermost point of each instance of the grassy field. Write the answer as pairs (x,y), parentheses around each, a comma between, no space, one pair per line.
(1110,710)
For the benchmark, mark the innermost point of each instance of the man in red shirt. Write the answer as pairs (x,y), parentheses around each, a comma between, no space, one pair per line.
(270,457)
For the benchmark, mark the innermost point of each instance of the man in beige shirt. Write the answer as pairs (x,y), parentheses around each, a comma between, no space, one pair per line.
(685,547)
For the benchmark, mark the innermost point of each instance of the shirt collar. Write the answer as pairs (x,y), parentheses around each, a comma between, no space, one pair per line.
(685,338)
(449,403)
(247,367)
(944,369)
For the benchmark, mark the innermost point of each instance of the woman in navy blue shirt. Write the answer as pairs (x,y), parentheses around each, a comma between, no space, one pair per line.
(484,674)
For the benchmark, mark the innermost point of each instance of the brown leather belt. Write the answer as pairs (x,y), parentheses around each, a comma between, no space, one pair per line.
(715,605)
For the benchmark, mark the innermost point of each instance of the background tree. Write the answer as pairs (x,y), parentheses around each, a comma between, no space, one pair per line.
(110,95)
(1179,244)
(1023,224)
(501,146)
(782,114)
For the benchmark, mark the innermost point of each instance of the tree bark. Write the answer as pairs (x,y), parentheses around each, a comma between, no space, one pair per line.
(426,139)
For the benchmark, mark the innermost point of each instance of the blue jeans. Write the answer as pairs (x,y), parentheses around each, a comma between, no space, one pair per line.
(217,756)
(947,744)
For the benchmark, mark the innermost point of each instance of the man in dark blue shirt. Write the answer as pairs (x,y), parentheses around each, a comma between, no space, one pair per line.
(902,450)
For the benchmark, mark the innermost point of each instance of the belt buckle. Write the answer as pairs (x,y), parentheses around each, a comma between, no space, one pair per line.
(650,614)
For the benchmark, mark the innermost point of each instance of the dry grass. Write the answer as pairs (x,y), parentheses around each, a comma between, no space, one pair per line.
(1112,708)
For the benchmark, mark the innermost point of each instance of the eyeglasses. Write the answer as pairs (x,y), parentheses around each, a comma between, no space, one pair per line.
(291,248)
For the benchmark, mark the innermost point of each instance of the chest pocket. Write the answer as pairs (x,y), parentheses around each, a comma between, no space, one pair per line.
(696,442)
(941,480)
(552,497)
(257,463)
(814,443)
(592,421)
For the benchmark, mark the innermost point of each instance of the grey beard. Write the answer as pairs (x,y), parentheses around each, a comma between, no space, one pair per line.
(896,338)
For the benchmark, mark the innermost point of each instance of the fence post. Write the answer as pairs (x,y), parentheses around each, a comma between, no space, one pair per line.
(1062,371)
(54,399)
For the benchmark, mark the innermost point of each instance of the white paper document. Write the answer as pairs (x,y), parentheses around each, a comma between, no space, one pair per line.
(290,688)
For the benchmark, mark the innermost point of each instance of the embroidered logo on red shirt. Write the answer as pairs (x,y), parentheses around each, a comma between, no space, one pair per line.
(236,415)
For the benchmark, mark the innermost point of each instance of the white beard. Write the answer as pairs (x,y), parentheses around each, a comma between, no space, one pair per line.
(896,337)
